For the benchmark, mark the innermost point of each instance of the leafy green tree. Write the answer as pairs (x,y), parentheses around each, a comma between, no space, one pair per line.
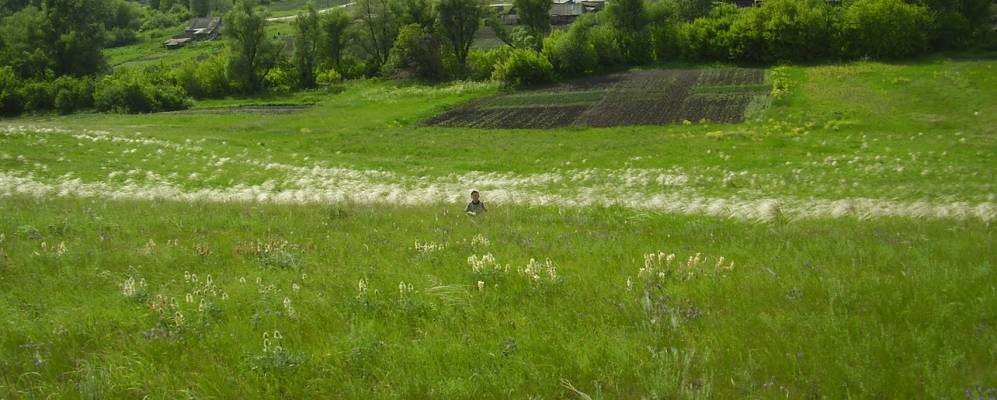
(378,28)
(75,35)
(884,29)
(416,53)
(691,9)
(535,16)
(306,41)
(24,45)
(419,12)
(200,8)
(630,20)
(253,54)
(459,21)
(334,25)
(8,7)
(957,22)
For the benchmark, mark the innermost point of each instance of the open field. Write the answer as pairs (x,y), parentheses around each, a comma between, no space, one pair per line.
(839,243)
(654,97)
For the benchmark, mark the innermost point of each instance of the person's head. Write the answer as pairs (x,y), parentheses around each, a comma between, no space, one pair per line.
(475,195)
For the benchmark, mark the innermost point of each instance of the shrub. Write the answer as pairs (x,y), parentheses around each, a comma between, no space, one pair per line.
(117,37)
(571,53)
(481,63)
(664,30)
(708,38)
(203,79)
(159,20)
(952,30)
(38,96)
(280,79)
(524,67)
(328,77)
(73,94)
(352,67)
(629,18)
(132,93)
(416,53)
(10,97)
(884,29)
(607,49)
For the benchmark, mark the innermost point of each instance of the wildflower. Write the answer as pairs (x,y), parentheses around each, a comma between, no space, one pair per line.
(362,289)
(481,285)
(480,241)
(288,308)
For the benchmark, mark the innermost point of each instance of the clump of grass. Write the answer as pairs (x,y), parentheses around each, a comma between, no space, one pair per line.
(271,253)
(275,359)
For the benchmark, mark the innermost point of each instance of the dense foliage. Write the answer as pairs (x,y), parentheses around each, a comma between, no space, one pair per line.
(48,41)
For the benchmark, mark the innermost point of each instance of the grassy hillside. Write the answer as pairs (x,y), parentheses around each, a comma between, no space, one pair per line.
(838,245)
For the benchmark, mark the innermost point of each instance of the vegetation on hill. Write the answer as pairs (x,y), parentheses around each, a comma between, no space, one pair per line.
(324,253)
(431,41)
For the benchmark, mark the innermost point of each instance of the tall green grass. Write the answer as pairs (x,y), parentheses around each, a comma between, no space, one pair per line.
(832,308)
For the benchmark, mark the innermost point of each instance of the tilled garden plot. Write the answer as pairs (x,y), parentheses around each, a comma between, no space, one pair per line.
(656,97)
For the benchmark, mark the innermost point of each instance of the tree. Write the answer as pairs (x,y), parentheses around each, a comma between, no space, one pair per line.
(334,26)
(419,12)
(884,29)
(691,9)
(252,53)
(378,29)
(416,53)
(535,15)
(459,21)
(75,35)
(25,47)
(306,38)
(629,19)
(200,8)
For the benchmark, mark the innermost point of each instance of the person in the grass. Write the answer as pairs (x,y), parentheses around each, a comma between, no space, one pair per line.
(476,206)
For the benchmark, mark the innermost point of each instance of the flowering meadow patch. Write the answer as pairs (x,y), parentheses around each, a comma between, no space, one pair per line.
(678,190)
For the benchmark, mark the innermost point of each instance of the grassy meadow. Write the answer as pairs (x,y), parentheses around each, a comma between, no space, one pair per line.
(839,244)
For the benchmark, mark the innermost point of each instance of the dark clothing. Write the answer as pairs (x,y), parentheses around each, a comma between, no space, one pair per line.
(475,207)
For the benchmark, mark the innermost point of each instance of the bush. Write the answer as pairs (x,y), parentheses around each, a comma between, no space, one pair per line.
(570,52)
(280,79)
(38,96)
(73,94)
(795,30)
(782,30)
(203,79)
(664,30)
(415,54)
(117,37)
(328,77)
(708,38)
(481,63)
(159,20)
(10,98)
(524,68)
(952,30)
(607,49)
(352,67)
(132,93)
(884,29)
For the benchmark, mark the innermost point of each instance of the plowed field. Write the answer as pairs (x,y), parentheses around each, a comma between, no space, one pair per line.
(657,97)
